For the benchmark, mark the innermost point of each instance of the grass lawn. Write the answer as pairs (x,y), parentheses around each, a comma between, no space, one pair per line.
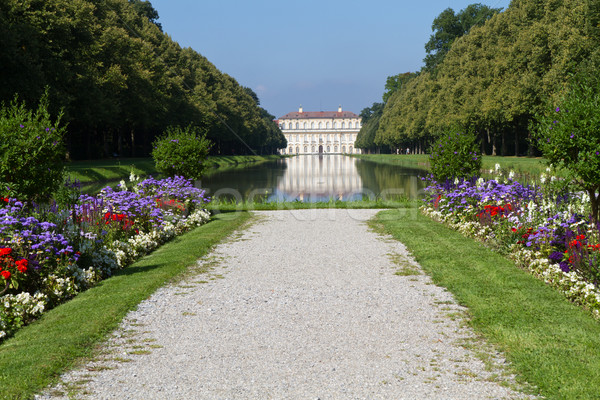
(550,342)
(117,169)
(37,355)
(527,169)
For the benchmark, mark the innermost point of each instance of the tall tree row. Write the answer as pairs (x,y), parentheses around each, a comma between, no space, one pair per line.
(495,76)
(120,80)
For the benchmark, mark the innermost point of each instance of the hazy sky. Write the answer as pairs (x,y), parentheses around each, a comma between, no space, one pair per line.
(318,54)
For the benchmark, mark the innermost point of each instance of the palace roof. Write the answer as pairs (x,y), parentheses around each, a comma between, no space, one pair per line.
(319,114)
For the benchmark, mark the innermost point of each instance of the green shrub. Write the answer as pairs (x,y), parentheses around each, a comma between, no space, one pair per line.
(32,152)
(569,136)
(181,152)
(454,155)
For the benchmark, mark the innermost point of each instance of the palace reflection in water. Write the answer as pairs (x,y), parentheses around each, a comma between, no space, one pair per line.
(311,178)
(319,178)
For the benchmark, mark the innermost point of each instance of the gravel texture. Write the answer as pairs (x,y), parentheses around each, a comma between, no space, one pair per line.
(303,304)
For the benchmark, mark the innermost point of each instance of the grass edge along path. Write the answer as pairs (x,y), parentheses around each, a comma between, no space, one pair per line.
(38,353)
(550,343)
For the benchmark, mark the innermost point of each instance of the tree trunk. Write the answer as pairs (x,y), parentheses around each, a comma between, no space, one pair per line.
(516,144)
(492,140)
(503,145)
(483,145)
(132,134)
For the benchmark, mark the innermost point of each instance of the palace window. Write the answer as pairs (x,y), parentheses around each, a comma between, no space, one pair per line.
(291,150)
(297,125)
(320,125)
(335,125)
(312,125)
(328,125)
(305,126)
(343,149)
(306,149)
(343,125)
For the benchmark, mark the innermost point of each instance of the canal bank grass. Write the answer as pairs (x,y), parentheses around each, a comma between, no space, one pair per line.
(224,205)
(120,168)
(65,336)
(551,343)
(529,168)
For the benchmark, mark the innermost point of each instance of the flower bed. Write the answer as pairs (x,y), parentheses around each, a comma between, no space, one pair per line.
(544,230)
(49,254)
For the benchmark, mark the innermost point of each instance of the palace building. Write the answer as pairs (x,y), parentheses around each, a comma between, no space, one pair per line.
(320,132)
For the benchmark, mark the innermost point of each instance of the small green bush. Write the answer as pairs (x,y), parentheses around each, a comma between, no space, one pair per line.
(454,155)
(32,152)
(181,152)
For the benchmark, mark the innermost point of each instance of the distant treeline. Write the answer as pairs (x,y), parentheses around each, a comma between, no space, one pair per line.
(120,80)
(489,71)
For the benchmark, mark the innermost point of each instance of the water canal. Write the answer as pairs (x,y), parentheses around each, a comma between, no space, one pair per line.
(312,178)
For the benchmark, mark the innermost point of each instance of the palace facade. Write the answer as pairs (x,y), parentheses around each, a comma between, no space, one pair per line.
(320,132)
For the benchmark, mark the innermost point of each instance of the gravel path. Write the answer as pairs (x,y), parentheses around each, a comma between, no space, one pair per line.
(302,305)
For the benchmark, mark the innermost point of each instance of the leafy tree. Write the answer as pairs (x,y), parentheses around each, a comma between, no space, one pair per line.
(397,82)
(181,152)
(569,136)
(365,139)
(119,79)
(146,9)
(32,151)
(448,26)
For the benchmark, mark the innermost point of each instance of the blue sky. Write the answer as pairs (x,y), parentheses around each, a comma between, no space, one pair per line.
(318,54)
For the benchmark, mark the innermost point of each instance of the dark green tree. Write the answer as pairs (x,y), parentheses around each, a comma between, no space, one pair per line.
(569,135)
(448,26)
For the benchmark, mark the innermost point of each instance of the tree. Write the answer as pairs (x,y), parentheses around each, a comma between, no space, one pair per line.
(569,136)
(448,26)
(397,82)
(146,9)
(32,151)
(365,139)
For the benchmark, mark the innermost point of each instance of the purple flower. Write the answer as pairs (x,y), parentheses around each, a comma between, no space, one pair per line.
(556,257)
(557,109)
(21,126)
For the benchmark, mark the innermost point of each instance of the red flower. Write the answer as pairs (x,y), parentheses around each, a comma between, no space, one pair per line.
(5,251)
(513,229)
(5,275)
(22,265)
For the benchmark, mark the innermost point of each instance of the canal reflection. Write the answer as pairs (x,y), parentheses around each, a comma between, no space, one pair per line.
(311,178)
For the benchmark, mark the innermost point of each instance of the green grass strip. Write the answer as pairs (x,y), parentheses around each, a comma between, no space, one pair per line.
(37,355)
(550,342)
(120,168)
(229,206)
